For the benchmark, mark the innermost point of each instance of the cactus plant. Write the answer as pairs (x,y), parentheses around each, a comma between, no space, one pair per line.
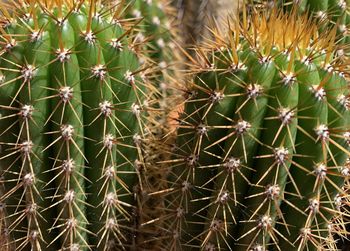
(262,148)
(335,8)
(261,157)
(328,12)
(155,26)
(73,106)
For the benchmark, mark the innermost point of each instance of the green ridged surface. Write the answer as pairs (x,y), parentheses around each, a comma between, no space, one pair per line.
(262,143)
(330,13)
(73,89)
(155,18)
(261,151)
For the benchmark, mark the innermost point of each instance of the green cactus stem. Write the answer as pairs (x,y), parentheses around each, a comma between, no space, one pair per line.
(73,106)
(262,149)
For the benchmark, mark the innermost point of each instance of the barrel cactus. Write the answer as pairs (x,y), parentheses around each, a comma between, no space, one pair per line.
(73,106)
(262,149)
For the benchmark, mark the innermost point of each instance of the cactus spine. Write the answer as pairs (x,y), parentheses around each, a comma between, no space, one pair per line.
(73,105)
(329,13)
(262,149)
(261,155)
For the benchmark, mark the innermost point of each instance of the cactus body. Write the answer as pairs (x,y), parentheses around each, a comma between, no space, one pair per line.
(328,12)
(262,146)
(155,26)
(73,105)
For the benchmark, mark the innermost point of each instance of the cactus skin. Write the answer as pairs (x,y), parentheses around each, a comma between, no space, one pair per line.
(262,148)
(158,28)
(330,13)
(73,106)
(156,23)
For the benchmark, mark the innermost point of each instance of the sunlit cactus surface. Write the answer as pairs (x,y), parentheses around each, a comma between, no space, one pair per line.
(74,99)
(262,150)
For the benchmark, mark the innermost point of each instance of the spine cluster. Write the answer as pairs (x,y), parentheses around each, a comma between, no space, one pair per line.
(98,152)
(262,145)
(74,99)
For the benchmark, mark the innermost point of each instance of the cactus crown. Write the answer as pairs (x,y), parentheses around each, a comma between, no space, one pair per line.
(262,142)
